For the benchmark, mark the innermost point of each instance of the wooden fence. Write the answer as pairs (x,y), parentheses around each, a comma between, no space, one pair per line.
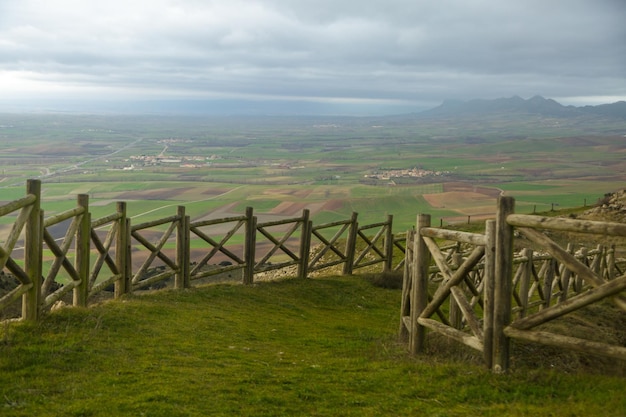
(95,254)
(482,293)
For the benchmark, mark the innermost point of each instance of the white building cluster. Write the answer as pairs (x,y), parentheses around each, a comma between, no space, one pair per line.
(389,174)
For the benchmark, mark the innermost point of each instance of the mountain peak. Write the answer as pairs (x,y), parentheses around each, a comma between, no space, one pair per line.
(536,105)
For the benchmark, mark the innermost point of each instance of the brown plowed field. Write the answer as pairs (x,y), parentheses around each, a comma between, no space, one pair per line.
(158,194)
(465,198)
(300,193)
(466,187)
(332,205)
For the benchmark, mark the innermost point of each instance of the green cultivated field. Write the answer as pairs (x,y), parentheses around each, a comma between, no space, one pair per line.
(218,166)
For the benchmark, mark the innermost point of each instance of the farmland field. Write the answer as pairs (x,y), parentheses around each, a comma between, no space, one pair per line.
(217,167)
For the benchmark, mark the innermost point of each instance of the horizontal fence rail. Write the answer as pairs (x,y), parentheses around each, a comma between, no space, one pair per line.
(232,258)
(484,293)
(327,251)
(70,252)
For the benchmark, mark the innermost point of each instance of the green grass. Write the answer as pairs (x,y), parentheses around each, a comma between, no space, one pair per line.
(321,347)
(261,205)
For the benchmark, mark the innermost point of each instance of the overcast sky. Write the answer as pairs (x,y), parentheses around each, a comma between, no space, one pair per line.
(382,54)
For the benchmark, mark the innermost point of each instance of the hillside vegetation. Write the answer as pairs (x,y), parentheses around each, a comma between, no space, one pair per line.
(324,346)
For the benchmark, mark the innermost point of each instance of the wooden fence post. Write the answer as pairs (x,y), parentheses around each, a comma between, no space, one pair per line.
(33,247)
(524,284)
(578,280)
(455,314)
(610,263)
(187,261)
(128,254)
(82,250)
(503,284)
(566,276)
(547,282)
(488,291)
(419,288)
(407,279)
(305,243)
(121,285)
(351,244)
(181,278)
(249,246)
(388,265)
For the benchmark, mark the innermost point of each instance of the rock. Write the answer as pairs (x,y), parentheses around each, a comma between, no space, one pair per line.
(612,209)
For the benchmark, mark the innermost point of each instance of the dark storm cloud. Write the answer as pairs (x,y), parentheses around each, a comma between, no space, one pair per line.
(387,51)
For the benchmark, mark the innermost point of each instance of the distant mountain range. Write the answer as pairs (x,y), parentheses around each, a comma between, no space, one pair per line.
(536,105)
(512,108)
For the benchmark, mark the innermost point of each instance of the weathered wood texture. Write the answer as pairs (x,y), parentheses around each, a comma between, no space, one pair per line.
(33,258)
(454,280)
(503,284)
(488,288)
(327,252)
(419,291)
(514,292)
(407,283)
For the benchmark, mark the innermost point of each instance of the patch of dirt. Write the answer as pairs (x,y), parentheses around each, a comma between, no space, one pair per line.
(332,205)
(158,194)
(466,187)
(458,200)
(296,192)
(465,198)
(288,208)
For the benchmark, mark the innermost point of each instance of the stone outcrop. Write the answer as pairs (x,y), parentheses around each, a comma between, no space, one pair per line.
(612,208)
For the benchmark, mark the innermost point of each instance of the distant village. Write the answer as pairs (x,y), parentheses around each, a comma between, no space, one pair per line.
(390,174)
(183,161)
(138,161)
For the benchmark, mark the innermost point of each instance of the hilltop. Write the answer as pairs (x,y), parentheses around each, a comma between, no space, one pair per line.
(323,346)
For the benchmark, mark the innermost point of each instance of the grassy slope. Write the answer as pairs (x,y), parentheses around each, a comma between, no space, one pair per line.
(313,347)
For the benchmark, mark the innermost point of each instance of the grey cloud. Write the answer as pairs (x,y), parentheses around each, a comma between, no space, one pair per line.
(368,49)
